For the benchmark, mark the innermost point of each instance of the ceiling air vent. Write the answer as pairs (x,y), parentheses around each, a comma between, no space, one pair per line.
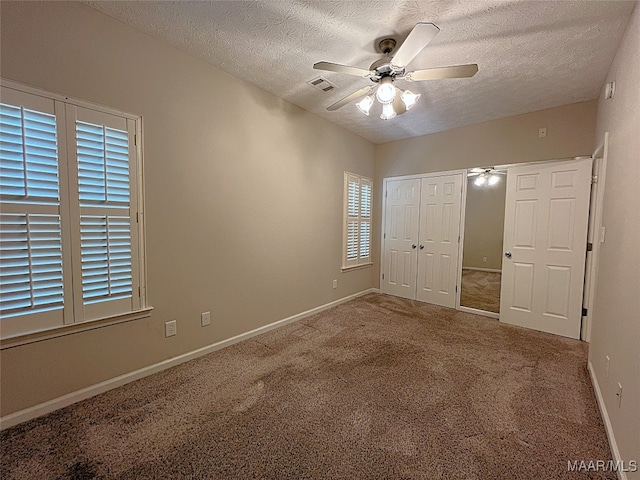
(322,84)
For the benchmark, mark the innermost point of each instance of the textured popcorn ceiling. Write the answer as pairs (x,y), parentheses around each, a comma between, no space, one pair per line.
(531,54)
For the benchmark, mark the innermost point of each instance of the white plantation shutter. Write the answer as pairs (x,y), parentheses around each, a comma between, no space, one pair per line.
(365,221)
(357,241)
(69,231)
(31,266)
(106,200)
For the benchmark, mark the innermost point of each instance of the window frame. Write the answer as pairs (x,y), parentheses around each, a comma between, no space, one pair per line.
(360,219)
(21,329)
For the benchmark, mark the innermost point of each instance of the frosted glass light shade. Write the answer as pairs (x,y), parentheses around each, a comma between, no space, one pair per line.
(386,91)
(364,105)
(493,179)
(480,180)
(409,98)
(387,111)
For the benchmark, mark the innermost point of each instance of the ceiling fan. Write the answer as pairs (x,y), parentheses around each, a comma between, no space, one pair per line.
(385,71)
(485,176)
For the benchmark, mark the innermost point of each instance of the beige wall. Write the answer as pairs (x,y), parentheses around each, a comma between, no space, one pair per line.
(570,133)
(616,320)
(243,196)
(484,225)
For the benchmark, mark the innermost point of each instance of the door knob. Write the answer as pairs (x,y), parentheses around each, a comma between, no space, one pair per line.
(421,247)
(413,246)
(507,254)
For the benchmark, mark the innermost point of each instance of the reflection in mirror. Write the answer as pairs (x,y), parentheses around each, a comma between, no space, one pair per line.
(483,230)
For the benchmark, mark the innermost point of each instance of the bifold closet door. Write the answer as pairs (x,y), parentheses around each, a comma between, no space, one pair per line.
(545,241)
(402,204)
(439,232)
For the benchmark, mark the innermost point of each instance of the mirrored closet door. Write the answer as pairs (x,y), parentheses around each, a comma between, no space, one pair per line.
(483,234)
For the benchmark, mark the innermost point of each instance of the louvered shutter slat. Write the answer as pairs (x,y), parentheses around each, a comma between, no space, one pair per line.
(365,232)
(353,199)
(365,203)
(103,164)
(106,257)
(352,240)
(30,263)
(28,154)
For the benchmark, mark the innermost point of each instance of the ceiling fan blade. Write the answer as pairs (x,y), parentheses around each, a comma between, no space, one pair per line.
(457,71)
(334,67)
(349,98)
(419,38)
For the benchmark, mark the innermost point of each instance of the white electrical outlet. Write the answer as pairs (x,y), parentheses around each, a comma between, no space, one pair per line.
(205,318)
(619,394)
(542,132)
(170,328)
(484,259)
(606,366)
(335,284)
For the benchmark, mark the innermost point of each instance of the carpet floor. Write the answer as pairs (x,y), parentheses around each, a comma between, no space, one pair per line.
(376,388)
(481,290)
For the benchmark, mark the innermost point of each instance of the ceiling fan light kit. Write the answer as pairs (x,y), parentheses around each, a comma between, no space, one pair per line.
(386,70)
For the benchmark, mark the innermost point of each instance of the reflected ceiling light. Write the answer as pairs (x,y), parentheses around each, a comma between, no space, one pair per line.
(493,179)
(364,105)
(480,180)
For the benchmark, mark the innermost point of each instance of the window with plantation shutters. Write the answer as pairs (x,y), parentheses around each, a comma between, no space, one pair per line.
(102,151)
(69,230)
(357,221)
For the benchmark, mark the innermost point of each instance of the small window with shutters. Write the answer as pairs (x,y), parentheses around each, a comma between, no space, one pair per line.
(357,221)
(70,230)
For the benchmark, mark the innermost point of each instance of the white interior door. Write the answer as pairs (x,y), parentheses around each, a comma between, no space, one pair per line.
(439,235)
(545,240)
(402,204)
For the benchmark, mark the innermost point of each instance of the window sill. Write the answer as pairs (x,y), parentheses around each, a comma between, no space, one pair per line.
(32,337)
(357,267)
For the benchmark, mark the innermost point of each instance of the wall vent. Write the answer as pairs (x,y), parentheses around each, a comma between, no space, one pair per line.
(322,84)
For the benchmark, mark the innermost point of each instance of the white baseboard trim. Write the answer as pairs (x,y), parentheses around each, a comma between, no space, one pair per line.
(477,311)
(49,406)
(607,422)
(478,269)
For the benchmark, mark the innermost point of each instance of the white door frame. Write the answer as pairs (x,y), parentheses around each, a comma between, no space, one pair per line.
(384,220)
(595,235)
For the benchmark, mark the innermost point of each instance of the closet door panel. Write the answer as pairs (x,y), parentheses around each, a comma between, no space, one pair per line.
(439,230)
(402,204)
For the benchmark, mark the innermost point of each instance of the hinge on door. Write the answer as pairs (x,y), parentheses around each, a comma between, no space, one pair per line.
(139,292)
(383,276)
(589,246)
(458,238)
(594,178)
(135,139)
(385,193)
(584,312)
(384,235)
(456,288)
